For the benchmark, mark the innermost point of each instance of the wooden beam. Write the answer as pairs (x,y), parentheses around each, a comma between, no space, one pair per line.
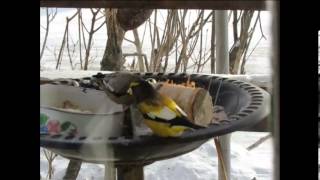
(159,4)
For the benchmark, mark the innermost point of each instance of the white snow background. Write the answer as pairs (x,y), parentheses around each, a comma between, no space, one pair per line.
(200,164)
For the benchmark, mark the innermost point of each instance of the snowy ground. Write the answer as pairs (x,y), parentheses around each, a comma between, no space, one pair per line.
(200,164)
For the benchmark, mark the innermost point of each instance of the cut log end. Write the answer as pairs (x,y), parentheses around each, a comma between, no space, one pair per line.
(196,102)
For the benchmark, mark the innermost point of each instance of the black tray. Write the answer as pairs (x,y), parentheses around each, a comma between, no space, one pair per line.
(245,104)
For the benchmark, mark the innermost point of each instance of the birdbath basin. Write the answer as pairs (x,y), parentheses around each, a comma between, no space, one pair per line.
(244,103)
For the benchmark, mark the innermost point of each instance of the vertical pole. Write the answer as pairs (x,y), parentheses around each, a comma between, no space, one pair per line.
(222,67)
(213,40)
(109,171)
(275,90)
(221,30)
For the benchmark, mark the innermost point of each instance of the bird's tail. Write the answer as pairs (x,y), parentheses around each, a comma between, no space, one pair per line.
(178,121)
(183,121)
(195,126)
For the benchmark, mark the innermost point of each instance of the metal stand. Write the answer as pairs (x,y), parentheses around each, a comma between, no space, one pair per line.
(225,147)
(222,67)
(109,171)
(130,172)
(73,169)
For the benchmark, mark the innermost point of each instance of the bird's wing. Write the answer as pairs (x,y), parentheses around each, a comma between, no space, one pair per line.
(162,107)
(165,110)
(157,112)
(165,114)
(173,106)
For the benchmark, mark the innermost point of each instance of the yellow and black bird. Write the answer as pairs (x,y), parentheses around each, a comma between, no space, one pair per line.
(161,114)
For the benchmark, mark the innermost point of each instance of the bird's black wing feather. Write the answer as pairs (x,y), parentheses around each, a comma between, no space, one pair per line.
(178,121)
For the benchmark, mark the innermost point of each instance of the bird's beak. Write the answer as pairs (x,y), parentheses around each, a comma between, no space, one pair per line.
(129,91)
(133,84)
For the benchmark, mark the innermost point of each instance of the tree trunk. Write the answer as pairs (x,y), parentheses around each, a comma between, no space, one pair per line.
(118,21)
(241,44)
(112,58)
(50,170)
(130,18)
(79,37)
(181,58)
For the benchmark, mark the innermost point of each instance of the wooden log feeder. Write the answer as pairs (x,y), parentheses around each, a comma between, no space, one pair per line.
(195,101)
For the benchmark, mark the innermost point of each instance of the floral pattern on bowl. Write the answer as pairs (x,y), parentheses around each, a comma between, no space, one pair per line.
(54,127)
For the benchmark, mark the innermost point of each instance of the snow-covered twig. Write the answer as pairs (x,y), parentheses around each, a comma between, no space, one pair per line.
(257,143)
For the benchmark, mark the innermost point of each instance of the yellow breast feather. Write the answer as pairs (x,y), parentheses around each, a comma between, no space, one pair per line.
(163,129)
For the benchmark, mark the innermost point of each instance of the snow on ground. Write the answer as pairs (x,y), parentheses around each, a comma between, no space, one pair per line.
(200,164)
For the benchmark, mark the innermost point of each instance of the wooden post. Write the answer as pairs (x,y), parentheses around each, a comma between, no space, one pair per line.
(130,172)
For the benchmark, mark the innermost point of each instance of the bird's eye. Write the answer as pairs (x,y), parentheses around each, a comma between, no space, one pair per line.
(151,81)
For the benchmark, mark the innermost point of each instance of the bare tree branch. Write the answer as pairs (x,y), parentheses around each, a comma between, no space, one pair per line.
(92,31)
(53,15)
(46,35)
(79,37)
(144,32)
(43,27)
(98,18)
(50,156)
(99,27)
(235,26)
(128,40)
(261,26)
(59,60)
(240,15)
(254,48)
(83,36)
(83,25)
(229,16)
(152,40)
(48,21)
(249,41)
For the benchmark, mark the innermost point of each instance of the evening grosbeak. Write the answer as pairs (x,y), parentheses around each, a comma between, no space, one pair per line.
(161,114)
